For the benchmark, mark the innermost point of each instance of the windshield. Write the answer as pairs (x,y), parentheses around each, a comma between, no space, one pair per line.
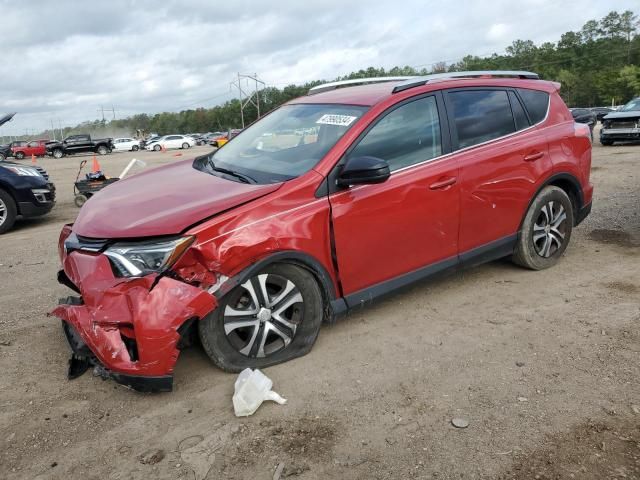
(632,105)
(286,143)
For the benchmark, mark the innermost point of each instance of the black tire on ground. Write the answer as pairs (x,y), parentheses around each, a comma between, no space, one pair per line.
(58,153)
(80,200)
(185,145)
(19,155)
(2,157)
(606,143)
(548,223)
(102,150)
(135,148)
(157,148)
(309,315)
(8,212)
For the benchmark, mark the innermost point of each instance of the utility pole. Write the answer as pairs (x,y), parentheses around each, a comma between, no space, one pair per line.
(101,109)
(247,97)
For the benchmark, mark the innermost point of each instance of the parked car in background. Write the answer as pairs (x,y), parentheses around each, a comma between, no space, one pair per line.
(255,245)
(27,149)
(223,138)
(601,112)
(171,142)
(80,144)
(586,116)
(198,138)
(25,191)
(623,125)
(126,144)
(5,152)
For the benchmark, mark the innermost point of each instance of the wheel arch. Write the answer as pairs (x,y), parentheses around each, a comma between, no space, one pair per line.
(565,181)
(333,304)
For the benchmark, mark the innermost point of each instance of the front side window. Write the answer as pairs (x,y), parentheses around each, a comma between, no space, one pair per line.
(408,135)
(286,143)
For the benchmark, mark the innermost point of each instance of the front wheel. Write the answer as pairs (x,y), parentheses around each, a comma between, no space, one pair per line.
(157,148)
(135,148)
(58,153)
(185,145)
(8,212)
(102,150)
(272,317)
(546,230)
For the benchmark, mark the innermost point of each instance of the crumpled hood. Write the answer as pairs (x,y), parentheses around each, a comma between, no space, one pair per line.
(162,201)
(629,114)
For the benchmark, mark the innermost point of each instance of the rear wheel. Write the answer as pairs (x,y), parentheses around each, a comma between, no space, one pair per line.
(546,230)
(8,212)
(102,150)
(19,155)
(272,317)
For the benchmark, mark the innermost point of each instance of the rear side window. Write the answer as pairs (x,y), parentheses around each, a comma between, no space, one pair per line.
(519,114)
(536,103)
(481,115)
(408,135)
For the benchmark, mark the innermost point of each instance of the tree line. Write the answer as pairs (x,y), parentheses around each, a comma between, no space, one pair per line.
(597,65)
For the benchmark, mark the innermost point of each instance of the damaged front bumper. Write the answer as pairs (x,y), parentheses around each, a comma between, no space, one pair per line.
(129,329)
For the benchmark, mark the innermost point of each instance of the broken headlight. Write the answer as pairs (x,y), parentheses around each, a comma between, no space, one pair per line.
(133,259)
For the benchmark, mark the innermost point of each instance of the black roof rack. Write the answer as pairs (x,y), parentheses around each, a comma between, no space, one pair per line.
(419,81)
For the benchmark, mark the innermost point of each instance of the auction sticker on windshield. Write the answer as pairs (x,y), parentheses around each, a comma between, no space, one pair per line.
(340,120)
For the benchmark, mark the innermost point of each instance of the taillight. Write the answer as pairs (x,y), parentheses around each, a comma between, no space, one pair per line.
(582,130)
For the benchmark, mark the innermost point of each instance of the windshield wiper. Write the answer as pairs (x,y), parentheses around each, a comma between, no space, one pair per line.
(244,178)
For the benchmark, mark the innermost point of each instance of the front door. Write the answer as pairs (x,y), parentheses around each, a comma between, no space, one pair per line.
(385,231)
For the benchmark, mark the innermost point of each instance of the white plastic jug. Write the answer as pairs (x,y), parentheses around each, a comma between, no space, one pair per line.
(251,389)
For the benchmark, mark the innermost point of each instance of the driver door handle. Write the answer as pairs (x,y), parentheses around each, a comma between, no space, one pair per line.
(443,183)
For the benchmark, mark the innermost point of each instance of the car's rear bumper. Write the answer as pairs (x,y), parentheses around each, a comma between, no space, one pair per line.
(131,329)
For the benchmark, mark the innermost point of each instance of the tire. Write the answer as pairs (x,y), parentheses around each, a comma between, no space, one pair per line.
(135,148)
(2,157)
(157,148)
(8,212)
(58,153)
(102,150)
(234,349)
(541,242)
(19,155)
(185,145)
(80,200)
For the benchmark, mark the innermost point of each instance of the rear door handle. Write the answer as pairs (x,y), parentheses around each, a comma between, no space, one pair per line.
(533,156)
(443,183)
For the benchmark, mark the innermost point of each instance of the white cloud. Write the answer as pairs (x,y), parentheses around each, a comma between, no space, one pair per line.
(150,56)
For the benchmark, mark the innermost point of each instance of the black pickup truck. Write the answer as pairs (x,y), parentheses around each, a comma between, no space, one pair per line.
(80,144)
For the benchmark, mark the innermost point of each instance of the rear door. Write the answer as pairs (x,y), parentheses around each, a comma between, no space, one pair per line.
(385,231)
(502,158)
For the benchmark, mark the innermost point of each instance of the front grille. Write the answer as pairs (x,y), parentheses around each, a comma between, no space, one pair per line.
(42,172)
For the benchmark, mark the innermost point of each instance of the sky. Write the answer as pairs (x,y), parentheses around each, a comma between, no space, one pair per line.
(65,60)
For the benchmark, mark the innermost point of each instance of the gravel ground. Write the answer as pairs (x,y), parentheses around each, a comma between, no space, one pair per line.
(543,365)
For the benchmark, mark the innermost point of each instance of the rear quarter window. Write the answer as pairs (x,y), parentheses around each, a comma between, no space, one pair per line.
(536,103)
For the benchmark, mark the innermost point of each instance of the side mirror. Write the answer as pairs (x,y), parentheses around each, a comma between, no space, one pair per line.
(363,171)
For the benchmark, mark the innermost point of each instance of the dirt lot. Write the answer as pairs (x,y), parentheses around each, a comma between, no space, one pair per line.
(543,365)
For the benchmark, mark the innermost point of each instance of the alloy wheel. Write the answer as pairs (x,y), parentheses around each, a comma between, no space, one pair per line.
(3,212)
(262,317)
(549,229)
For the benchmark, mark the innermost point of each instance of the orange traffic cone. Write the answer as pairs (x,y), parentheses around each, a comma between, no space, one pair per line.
(96,165)
(33,159)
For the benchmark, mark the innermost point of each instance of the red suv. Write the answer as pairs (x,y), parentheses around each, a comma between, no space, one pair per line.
(318,208)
